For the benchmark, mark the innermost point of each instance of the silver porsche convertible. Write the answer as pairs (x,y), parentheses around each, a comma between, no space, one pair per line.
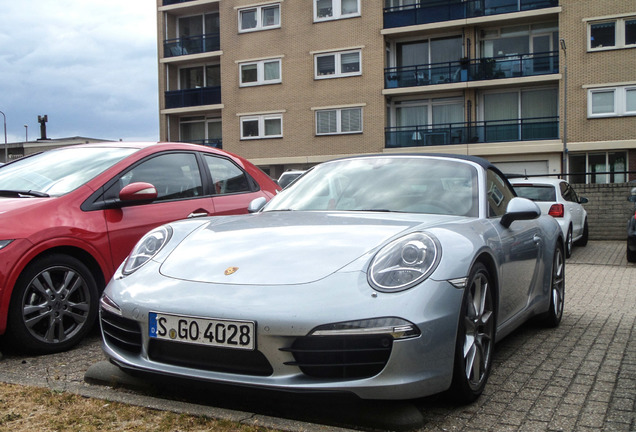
(390,277)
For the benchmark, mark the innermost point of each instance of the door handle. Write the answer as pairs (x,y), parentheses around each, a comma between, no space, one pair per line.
(197,214)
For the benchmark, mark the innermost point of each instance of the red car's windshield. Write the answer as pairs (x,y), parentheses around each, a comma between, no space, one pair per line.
(58,172)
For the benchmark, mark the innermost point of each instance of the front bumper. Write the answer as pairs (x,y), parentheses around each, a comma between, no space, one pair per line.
(285,315)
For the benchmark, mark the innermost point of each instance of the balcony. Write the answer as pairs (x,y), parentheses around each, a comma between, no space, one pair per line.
(192,45)
(528,129)
(510,66)
(171,2)
(439,11)
(193,97)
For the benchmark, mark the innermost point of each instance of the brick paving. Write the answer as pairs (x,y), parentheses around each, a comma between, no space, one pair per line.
(580,376)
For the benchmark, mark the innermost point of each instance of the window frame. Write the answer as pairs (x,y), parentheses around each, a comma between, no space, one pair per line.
(339,130)
(620,101)
(619,33)
(259,18)
(260,72)
(336,14)
(337,64)
(260,118)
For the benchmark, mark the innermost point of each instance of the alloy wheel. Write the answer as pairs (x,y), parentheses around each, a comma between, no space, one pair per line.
(479,331)
(56,304)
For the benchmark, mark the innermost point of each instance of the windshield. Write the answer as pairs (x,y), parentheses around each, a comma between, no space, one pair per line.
(536,192)
(58,172)
(394,184)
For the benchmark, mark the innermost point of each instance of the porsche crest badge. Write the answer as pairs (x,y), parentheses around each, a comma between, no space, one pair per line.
(230,270)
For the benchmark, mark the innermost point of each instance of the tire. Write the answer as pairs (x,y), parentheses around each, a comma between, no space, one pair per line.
(568,243)
(583,240)
(631,255)
(475,337)
(53,305)
(553,316)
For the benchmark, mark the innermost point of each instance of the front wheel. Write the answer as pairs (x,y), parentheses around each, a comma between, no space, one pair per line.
(54,304)
(475,337)
(553,316)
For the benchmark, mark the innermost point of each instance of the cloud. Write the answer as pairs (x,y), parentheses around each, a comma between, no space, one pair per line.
(91,66)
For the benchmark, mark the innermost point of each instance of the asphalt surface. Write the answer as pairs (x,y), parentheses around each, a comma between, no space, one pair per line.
(580,376)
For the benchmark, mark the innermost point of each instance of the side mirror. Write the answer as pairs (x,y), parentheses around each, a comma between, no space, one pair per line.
(583,200)
(257,204)
(520,209)
(139,191)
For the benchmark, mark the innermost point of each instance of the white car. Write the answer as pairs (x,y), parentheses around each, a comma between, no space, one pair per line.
(557,198)
(288,177)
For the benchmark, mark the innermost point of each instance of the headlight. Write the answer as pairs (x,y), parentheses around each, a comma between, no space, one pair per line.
(404,262)
(147,248)
(4,243)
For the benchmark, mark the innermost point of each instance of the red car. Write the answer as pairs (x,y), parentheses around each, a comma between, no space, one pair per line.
(70,216)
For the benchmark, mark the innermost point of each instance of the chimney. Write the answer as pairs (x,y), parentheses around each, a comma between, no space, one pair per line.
(42,120)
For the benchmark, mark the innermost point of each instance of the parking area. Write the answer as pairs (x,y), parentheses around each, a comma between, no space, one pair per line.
(580,376)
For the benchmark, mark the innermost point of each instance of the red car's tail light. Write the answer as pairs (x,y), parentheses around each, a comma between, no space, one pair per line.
(557,210)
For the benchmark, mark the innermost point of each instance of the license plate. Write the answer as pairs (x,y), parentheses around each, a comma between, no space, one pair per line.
(203,331)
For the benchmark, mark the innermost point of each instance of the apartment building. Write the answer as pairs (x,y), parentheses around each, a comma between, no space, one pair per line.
(291,83)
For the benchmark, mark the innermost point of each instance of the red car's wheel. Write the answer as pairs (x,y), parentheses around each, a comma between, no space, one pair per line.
(54,304)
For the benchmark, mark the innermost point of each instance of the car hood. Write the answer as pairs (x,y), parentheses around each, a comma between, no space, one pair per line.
(278,248)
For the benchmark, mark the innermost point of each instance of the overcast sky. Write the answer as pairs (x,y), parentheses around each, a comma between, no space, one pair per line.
(90,65)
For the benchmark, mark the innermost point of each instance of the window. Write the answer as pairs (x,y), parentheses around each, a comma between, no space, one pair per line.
(335,9)
(260,72)
(200,76)
(603,167)
(611,102)
(201,130)
(338,65)
(259,18)
(262,126)
(499,194)
(339,121)
(174,175)
(612,34)
(226,177)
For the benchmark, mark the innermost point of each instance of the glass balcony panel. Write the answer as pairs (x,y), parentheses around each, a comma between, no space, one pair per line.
(193,97)
(426,12)
(474,132)
(518,65)
(192,45)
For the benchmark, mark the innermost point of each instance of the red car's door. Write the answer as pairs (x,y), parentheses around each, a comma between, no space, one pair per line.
(180,194)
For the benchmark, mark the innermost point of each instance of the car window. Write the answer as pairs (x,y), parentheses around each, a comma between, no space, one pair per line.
(536,192)
(227,178)
(174,175)
(499,194)
(394,185)
(58,172)
(568,193)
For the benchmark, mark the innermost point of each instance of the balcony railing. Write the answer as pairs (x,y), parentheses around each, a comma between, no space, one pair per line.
(193,97)
(216,143)
(516,65)
(171,2)
(192,45)
(426,12)
(527,129)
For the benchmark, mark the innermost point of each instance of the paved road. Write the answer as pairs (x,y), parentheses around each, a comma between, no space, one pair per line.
(578,377)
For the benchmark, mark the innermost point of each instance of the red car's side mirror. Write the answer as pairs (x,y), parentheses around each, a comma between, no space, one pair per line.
(139,191)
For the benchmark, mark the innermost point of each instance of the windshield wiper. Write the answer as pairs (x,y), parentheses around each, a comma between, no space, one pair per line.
(22,194)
